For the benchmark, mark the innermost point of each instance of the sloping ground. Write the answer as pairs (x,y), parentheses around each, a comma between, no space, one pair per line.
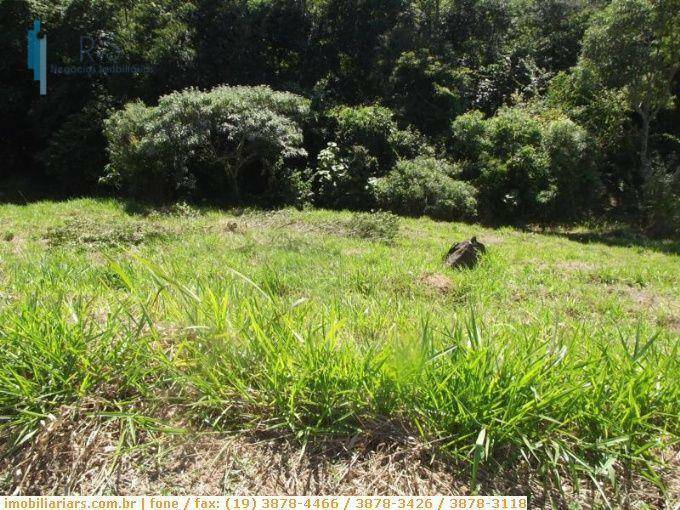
(131,343)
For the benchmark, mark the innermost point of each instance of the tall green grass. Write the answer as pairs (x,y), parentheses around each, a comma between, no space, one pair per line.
(240,357)
(57,350)
(487,373)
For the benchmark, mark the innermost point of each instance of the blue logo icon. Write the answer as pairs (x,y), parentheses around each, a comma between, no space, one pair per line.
(37,56)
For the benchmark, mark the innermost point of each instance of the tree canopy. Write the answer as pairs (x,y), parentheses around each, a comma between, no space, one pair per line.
(384,81)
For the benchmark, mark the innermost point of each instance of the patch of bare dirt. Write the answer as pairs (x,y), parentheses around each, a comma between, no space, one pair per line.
(437,281)
(16,243)
(642,297)
(671,323)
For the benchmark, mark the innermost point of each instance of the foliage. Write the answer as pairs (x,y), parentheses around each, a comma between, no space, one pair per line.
(527,164)
(634,45)
(75,155)
(375,129)
(426,186)
(233,138)
(366,142)
(427,93)
(603,112)
(662,199)
(154,34)
(341,178)
(611,67)
(550,32)
(574,178)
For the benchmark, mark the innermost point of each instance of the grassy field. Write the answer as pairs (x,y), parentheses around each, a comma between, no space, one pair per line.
(559,352)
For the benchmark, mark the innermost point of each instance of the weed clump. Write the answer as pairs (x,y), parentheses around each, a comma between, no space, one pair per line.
(98,233)
(377,226)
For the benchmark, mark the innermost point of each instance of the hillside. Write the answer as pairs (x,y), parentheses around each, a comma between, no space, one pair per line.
(138,342)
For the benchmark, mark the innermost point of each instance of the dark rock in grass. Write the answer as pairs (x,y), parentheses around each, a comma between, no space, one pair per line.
(464,254)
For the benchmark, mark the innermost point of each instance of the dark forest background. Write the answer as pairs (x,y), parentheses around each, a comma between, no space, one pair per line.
(508,111)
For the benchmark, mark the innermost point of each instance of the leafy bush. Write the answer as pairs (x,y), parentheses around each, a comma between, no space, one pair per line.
(426,186)
(662,199)
(527,164)
(603,113)
(342,177)
(365,143)
(230,139)
(575,179)
(470,137)
(374,128)
(378,226)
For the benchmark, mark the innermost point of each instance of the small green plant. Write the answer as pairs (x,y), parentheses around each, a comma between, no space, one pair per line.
(377,226)
(8,236)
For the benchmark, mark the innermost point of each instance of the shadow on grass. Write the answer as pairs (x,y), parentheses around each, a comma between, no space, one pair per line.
(621,236)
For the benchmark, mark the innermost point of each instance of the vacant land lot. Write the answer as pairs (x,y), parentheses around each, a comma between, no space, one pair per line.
(292,351)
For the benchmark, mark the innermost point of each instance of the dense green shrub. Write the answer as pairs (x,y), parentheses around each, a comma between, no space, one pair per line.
(342,177)
(426,186)
(575,180)
(527,164)
(374,128)
(662,199)
(365,142)
(231,139)
(470,140)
